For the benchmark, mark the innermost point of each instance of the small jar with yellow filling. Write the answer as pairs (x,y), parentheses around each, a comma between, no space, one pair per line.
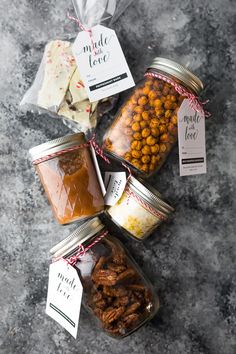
(140,210)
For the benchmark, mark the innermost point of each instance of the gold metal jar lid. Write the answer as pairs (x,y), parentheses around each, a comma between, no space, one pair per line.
(84,232)
(150,195)
(56,145)
(178,71)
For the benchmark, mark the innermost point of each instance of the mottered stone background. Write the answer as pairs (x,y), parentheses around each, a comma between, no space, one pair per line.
(191,260)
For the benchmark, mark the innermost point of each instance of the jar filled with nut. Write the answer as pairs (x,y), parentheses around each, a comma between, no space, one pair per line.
(115,290)
(68,175)
(145,128)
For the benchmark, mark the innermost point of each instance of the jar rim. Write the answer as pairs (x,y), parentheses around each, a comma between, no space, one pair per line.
(150,195)
(84,232)
(178,71)
(56,145)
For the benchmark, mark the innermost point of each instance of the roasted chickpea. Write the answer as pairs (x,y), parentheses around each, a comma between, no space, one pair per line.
(152,167)
(136,127)
(128,131)
(163,120)
(172,98)
(149,82)
(157,103)
(143,124)
(146,159)
(146,132)
(163,99)
(156,84)
(151,103)
(159,112)
(155,132)
(146,90)
(137,136)
(174,120)
(134,100)
(146,150)
(136,163)
(155,159)
(128,156)
(145,115)
(162,129)
(137,117)
(145,168)
(168,104)
(136,145)
(165,90)
(138,109)
(168,113)
(154,123)
(151,140)
(162,147)
(152,95)
(142,100)
(136,154)
(155,149)
(164,138)
(172,129)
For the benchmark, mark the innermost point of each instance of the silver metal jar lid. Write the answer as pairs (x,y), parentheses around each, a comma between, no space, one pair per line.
(178,71)
(56,145)
(150,195)
(84,232)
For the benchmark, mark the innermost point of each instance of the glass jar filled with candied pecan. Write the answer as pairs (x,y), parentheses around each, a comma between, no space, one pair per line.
(140,210)
(145,128)
(115,290)
(68,175)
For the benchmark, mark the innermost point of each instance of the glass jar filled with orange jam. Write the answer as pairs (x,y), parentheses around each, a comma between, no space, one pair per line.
(145,127)
(68,175)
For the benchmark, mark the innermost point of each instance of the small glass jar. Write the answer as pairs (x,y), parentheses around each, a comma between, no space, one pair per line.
(68,175)
(145,127)
(115,290)
(140,210)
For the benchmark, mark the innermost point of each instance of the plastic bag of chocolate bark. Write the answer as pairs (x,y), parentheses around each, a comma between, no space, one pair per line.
(58,88)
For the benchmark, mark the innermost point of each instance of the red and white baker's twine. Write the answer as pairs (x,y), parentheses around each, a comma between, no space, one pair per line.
(195,102)
(81,251)
(145,205)
(92,142)
(79,23)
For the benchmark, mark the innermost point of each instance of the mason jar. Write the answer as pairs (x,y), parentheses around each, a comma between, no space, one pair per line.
(115,290)
(68,175)
(140,210)
(145,127)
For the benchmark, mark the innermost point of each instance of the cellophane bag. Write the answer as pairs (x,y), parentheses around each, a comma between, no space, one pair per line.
(58,88)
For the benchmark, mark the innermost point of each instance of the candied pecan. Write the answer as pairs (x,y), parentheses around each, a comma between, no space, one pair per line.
(97,296)
(116,267)
(132,308)
(104,277)
(112,315)
(121,301)
(128,273)
(99,264)
(119,258)
(101,304)
(130,319)
(115,292)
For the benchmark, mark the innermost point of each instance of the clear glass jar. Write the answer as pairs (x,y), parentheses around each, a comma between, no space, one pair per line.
(68,175)
(140,210)
(115,290)
(145,127)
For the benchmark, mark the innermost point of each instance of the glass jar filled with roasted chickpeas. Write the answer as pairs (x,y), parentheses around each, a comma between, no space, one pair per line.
(145,128)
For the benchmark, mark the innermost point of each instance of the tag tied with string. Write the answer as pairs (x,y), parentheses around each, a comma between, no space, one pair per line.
(97,51)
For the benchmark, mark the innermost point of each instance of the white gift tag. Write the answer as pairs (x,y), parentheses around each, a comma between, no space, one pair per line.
(191,137)
(115,183)
(64,296)
(104,70)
